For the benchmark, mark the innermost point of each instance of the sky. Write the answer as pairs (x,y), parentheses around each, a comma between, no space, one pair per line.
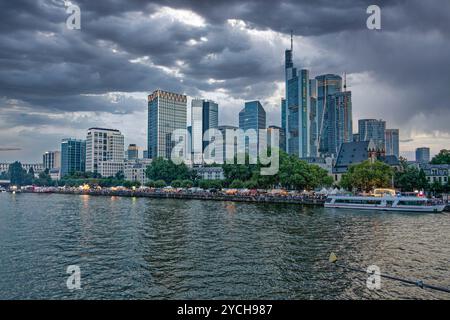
(56,82)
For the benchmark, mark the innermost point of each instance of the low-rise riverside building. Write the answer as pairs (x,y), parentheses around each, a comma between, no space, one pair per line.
(210,173)
(436,172)
(134,170)
(352,153)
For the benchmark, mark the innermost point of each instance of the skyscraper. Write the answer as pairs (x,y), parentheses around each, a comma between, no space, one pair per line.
(166,113)
(104,145)
(230,142)
(340,122)
(372,129)
(392,140)
(281,134)
(253,116)
(204,116)
(73,156)
(51,159)
(283,120)
(313,132)
(132,152)
(297,108)
(327,85)
(423,155)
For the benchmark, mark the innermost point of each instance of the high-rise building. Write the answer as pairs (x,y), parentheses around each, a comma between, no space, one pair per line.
(423,155)
(252,117)
(313,132)
(340,122)
(283,119)
(104,145)
(392,139)
(281,135)
(166,113)
(204,116)
(327,84)
(132,152)
(372,129)
(230,138)
(73,156)
(51,160)
(297,108)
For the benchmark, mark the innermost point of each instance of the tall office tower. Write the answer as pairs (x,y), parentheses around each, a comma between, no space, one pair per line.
(283,119)
(340,121)
(372,129)
(51,159)
(298,108)
(73,156)
(230,142)
(204,116)
(392,139)
(253,116)
(166,113)
(313,133)
(281,135)
(423,155)
(104,145)
(327,85)
(132,152)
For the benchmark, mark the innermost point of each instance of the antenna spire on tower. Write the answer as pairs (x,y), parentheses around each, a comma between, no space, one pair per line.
(292,39)
(345,82)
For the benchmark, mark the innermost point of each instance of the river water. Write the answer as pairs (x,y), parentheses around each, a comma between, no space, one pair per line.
(140,248)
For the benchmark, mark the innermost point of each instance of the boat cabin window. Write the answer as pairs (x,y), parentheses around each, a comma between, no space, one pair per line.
(411,203)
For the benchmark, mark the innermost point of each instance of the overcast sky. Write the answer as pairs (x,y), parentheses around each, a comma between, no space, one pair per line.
(56,82)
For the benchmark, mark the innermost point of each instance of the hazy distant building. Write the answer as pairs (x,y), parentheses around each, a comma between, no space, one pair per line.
(166,113)
(73,156)
(132,152)
(104,151)
(51,159)
(372,129)
(423,155)
(392,140)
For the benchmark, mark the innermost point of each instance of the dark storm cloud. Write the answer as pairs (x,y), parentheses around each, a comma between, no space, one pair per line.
(133,46)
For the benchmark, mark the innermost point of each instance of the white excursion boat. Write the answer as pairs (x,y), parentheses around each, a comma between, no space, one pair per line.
(385,202)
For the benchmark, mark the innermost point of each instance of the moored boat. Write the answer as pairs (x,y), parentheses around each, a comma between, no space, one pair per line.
(385,202)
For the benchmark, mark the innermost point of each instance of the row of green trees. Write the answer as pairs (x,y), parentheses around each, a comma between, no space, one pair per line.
(369,175)
(293,173)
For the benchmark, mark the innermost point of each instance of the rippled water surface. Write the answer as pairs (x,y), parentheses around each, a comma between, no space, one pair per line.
(175,249)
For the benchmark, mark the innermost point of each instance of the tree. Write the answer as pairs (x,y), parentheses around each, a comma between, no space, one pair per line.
(160,184)
(161,169)
(44,179)
(177,183)
(187,183)
(120,176)
(210,184)
(17,174)
(443,157)
(237,184)
(367,175)
(410,179)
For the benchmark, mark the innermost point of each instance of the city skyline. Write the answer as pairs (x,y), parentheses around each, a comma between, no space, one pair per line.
(228,56)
